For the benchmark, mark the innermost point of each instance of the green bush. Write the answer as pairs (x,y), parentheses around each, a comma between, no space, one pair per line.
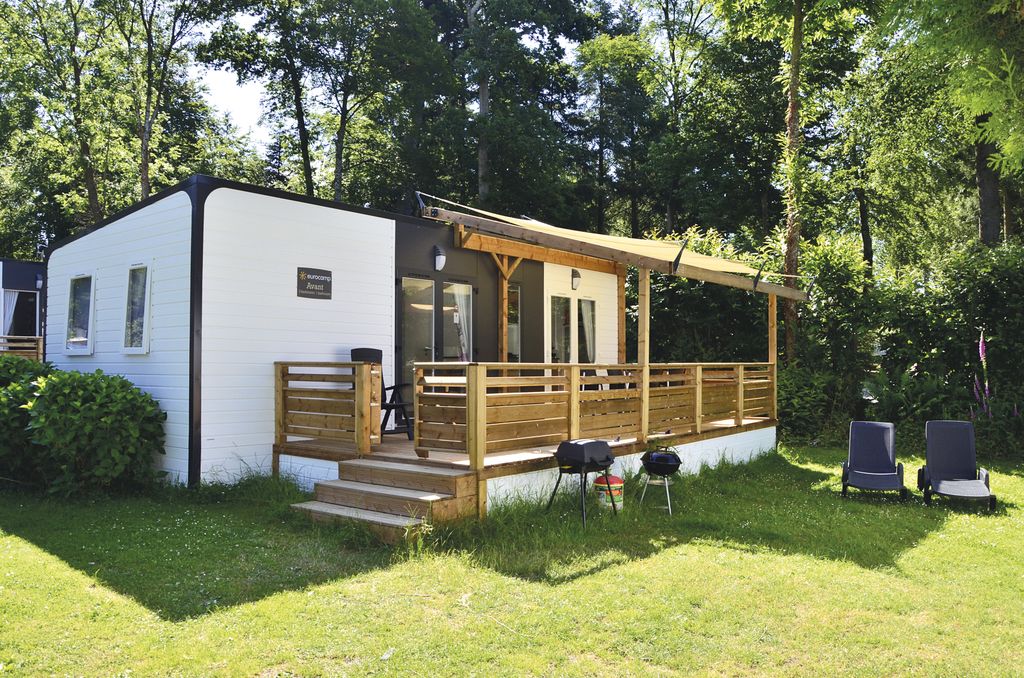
(94,431)
(806,401)
(15,369)
(17,377)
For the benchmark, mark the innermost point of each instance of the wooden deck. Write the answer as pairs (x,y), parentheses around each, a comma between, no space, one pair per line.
(478,421)
(398,448)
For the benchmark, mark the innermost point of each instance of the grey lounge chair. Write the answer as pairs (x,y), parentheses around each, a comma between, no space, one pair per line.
(871,460)
(951,468)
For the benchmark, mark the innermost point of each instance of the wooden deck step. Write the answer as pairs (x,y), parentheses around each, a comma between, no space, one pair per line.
(389,527)
(383,498)
(455,482)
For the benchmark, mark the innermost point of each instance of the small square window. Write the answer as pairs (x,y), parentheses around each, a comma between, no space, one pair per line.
(136,315)
(79,335)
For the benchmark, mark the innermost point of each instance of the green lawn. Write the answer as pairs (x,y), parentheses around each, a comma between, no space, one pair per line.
(763,569)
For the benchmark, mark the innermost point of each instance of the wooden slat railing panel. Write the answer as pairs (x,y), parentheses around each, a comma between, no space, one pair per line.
(330,400)
(24,347)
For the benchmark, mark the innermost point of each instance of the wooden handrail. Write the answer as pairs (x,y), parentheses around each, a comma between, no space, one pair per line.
(478,408)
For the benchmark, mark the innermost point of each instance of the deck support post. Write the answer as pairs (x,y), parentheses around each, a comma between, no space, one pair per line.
(740,377)
(698,398)
(362,386)
(280,382)
(773,353)
(476,429)
(574,401)
(643,351)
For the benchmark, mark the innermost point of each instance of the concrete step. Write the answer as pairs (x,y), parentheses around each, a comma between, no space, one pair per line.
(454,482)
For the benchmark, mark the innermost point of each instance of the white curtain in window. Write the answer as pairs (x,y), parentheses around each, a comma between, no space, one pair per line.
(587,316)
(463,296)
(10,301)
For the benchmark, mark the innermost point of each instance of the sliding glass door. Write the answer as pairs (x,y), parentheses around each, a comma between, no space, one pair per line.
(573,330)
(435,323)
(417,328)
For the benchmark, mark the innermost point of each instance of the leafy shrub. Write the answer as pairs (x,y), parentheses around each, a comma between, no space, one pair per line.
(94,431)
(17,375)
(15,369)
(806,401)
(909,396)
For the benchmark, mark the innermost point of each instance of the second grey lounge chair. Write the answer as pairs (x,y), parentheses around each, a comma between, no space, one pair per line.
(871,460)
(951,468)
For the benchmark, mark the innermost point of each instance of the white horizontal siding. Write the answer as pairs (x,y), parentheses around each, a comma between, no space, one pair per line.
(603,288)
(159,235)
(252,317)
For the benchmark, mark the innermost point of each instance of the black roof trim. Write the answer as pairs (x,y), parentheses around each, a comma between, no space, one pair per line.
(213,183)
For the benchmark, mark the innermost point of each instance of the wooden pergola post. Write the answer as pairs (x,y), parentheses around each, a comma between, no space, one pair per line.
(506,267)
(643,349)
(620,274)
(773,351)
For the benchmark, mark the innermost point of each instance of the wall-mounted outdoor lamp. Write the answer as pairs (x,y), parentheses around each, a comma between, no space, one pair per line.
(39,281)
(576,278)
(439,258)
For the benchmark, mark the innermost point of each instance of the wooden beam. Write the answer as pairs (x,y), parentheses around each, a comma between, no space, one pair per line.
(513,266)
(612,254)
(512,248)
(621,275)
(476,428)
(773,329)
(499,261)
(643,335)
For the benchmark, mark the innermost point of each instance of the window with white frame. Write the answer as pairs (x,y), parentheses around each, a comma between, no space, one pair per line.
(80,303)
(136,315)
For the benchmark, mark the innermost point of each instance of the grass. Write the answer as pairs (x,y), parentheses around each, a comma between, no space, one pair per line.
(763,569)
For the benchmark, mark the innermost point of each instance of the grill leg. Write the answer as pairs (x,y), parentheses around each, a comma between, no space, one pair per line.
(554,491)
(611,496)
(583,503)
(668,497)
(646,483)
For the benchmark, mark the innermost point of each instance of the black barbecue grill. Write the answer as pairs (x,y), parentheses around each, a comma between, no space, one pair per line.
(660,464)
(581,457)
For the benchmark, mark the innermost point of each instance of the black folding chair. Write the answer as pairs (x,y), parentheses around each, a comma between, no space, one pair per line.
(388,404)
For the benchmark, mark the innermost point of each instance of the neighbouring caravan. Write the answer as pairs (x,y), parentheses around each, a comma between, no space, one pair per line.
(21,282)
(194,293)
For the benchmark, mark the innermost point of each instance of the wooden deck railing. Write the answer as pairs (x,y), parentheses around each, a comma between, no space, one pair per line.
(26,347)
(490,407)
(337,401)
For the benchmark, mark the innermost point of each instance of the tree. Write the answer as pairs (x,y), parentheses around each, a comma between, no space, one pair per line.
(274,49)
(155,38)
(66,56)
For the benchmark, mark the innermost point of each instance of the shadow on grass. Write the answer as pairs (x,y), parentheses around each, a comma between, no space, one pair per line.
(183,553)
(773,503)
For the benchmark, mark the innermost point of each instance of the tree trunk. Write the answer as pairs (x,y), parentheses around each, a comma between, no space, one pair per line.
(601,228)
(89,179)
(990,218)
(865,229)
(295,80)
(1011,205)
(144,153)
(484,106)
(634,214)
(339,153)
(794,137)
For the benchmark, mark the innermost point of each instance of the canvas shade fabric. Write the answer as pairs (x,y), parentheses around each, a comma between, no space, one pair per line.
(663,250)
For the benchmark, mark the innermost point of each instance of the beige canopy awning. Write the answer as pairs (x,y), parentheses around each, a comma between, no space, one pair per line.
(664,256)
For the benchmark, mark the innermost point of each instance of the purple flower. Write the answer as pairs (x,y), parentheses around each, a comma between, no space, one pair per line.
(972,412)
(977,389)
(982,347)
(1016,412)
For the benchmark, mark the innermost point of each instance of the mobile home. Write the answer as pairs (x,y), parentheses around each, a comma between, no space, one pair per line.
(232,304)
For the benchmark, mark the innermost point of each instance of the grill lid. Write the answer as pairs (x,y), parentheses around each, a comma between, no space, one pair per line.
(585,452)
